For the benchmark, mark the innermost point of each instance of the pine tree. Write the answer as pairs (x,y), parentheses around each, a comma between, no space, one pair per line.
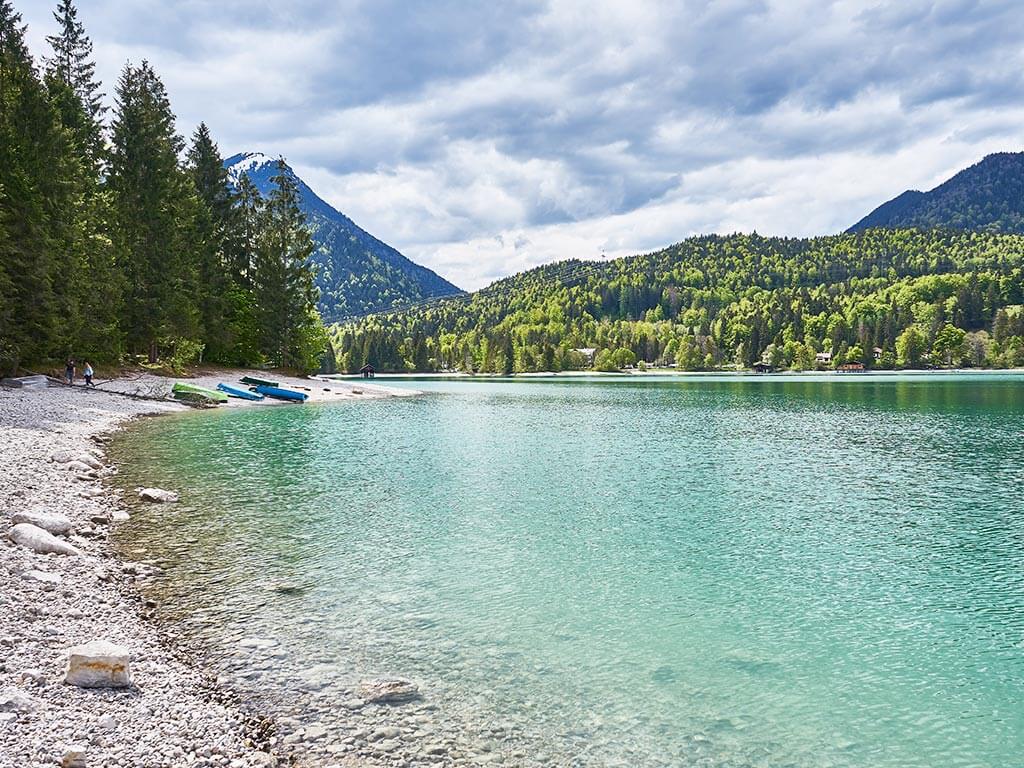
(93,285)
(32,151)
(154,215)
(72,59)
(248,223)
(215,220)
(291,332)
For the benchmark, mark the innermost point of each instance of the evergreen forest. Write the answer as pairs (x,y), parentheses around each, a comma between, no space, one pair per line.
(122,242)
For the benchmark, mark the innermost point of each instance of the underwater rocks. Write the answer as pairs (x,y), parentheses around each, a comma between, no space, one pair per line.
(157,495)
(388,690)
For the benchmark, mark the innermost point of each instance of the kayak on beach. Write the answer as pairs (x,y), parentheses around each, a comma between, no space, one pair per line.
(258,382)
(244,394)
(185,391)
(281,394)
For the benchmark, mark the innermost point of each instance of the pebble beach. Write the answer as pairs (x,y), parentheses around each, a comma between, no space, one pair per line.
(62,587)
(170,714)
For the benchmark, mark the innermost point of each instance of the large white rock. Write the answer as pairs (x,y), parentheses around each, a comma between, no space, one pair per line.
(77,466)
(35,538)
(62,457)
(157,495)
(99,664)
(48,521)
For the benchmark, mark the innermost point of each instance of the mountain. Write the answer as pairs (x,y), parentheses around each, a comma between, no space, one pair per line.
(988,196)
(356,272)
(917,296)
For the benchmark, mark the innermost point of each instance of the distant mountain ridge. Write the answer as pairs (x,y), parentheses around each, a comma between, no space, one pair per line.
(988,196)
(356,272)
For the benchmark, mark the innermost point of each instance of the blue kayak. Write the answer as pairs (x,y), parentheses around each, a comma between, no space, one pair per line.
(244,394)
(281,394)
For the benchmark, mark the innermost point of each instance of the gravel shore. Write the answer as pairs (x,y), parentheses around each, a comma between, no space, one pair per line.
(171,714)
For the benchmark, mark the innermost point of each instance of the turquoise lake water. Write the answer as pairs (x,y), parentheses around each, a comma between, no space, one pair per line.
(717,571)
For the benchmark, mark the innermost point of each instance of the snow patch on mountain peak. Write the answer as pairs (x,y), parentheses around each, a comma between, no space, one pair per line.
(246,162)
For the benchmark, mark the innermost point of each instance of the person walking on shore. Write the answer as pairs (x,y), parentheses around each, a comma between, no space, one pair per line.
(69,371)
(87,372)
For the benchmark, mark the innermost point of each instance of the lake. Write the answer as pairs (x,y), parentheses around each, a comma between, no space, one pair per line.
(708,571)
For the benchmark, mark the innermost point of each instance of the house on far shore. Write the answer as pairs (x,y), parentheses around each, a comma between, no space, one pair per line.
(587,352)
(825,358)
(878,352)
(368,371)
(763,367)
(850,367)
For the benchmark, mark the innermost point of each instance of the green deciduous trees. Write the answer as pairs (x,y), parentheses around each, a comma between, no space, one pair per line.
(716,301)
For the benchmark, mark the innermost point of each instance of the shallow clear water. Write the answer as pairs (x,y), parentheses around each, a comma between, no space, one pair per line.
(711,571)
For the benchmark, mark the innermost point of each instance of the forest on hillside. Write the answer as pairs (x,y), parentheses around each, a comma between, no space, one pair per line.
(881,298)
(119,242)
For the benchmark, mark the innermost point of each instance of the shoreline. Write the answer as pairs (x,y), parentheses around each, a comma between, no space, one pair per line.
(175,713)
(668,373)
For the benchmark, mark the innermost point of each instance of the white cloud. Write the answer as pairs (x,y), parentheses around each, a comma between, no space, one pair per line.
(485,139)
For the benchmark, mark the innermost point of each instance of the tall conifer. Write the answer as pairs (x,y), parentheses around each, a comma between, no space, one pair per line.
(72,59)
(214,226)
(284,289)
(31,158)
(154,214)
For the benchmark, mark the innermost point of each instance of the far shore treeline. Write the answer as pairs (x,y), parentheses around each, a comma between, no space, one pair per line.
(879,298)
(119,243)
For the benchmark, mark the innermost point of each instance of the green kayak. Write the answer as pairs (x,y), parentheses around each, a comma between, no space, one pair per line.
(191,392)
(258,382)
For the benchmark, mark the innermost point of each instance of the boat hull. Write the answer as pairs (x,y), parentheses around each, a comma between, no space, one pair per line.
(241,394)
(258,382)
(282,394)
(191,391)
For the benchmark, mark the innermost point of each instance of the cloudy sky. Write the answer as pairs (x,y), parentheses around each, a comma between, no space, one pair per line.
(481,139)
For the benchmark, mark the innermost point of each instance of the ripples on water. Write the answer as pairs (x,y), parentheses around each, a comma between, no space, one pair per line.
(703,572)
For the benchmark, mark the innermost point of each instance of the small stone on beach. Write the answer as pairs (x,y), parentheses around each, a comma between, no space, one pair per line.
(74,757)
(13,700)
(43,577)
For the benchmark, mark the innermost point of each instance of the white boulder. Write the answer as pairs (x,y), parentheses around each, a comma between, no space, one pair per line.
(157,495)
(48,521)
(99,664)
(77,466)
(35,538)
